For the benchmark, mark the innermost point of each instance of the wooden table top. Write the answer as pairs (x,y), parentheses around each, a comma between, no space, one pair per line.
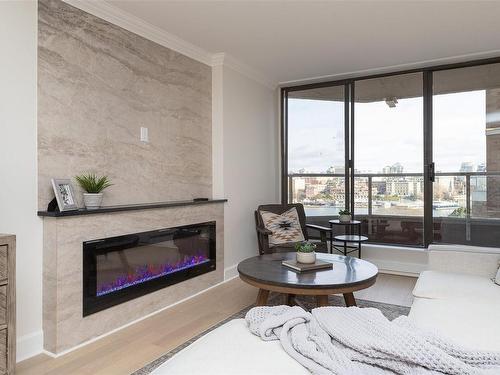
(347,272)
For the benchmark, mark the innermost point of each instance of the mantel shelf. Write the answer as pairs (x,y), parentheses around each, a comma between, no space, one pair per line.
(131,207)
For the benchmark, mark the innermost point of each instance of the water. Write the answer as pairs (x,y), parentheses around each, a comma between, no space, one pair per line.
(401,211)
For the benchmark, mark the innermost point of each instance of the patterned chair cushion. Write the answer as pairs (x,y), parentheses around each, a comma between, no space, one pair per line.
(285,227)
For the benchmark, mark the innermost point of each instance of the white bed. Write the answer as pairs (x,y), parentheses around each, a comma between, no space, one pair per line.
(456,298)
(231,350)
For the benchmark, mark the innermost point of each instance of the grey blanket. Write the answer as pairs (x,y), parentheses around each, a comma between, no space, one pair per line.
(340,340)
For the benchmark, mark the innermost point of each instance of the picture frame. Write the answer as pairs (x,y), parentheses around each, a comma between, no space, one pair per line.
(65,195)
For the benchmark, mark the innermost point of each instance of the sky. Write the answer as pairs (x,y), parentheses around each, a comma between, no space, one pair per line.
(385,136)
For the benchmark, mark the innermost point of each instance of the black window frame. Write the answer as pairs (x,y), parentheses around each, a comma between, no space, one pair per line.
(349,85)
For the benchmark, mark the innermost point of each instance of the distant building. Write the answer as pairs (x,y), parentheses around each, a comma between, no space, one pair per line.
(404,186)
(336,169)
(466,166)
(379,186)
(446,186)
(396,168)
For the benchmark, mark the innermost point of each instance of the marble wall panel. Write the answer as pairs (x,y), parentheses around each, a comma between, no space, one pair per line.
(97,85)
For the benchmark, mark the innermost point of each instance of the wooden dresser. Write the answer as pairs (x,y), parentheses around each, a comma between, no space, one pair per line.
(7,303)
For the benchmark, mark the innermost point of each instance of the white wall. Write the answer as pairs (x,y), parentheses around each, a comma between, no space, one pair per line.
(18,170)
(247,164)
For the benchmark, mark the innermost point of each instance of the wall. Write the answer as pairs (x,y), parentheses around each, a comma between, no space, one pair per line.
(248,158)
(98,84)
(18,186)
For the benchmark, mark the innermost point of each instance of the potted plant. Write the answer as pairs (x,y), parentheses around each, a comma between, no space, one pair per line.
(344,216)
(93,187)
(305,252)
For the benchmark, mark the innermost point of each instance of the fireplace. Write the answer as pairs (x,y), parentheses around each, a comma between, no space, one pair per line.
(118,269)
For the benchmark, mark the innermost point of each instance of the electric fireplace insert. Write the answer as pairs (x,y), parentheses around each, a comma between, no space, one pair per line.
(118,269)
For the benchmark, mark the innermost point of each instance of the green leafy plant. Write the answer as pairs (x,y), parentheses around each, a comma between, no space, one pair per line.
(93,184)
(305,247)
(344,212)
(459,212)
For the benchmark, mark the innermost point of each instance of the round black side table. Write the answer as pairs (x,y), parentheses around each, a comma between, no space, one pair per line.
(347,237)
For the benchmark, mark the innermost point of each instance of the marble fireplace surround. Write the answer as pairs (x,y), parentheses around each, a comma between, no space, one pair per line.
(63,323)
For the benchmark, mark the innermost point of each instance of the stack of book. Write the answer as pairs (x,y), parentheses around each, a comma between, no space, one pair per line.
(300,267)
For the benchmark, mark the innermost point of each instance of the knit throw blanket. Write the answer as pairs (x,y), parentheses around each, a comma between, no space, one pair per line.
(348,341)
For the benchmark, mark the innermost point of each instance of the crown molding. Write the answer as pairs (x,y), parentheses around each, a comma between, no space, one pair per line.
(138,26)
(218,59)
(116,16)
(229,61)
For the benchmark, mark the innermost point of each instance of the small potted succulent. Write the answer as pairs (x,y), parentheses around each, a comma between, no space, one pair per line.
(305,252)
(345,216)
(93,187)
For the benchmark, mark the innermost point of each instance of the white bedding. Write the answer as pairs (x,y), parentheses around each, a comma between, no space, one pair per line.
(231,350)
(463,307)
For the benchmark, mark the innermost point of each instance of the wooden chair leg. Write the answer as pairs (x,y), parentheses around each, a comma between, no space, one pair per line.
(289,299)
(349,299)
(262,297)
(322,301)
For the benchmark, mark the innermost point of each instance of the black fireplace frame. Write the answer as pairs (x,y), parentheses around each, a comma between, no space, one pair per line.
(93,303)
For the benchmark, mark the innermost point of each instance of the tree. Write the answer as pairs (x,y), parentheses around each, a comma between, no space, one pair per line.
(459,212)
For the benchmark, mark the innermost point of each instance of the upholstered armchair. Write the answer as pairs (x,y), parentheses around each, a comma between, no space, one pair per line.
(263,233)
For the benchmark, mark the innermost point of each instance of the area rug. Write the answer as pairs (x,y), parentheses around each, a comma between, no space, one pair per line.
(390,311)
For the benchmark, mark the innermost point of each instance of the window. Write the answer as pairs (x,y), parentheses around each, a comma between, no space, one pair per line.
(415,155)
(466,151)
(316,150)
(388,158)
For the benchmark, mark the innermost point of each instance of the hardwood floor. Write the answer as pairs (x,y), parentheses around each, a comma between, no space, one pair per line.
(133,347)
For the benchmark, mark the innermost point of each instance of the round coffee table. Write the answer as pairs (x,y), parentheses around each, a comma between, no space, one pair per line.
(347,276)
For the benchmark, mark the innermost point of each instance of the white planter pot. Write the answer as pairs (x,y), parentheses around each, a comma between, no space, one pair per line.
(306,257)
(344,218)
(92,201)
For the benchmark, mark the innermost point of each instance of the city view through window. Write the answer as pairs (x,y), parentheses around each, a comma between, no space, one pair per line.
(394,151)
(388,154)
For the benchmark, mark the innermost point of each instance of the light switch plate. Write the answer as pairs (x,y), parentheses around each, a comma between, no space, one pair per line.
(144,134)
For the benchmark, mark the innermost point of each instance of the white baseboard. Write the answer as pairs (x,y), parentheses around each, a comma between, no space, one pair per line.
(230,272)
(398,268)
(29,345)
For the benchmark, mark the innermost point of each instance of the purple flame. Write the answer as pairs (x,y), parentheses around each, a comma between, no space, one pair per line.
(149,272)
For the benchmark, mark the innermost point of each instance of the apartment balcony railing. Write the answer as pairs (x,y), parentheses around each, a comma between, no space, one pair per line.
(466,205)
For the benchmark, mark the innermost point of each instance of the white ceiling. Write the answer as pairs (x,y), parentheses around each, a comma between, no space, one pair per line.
(290,41)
